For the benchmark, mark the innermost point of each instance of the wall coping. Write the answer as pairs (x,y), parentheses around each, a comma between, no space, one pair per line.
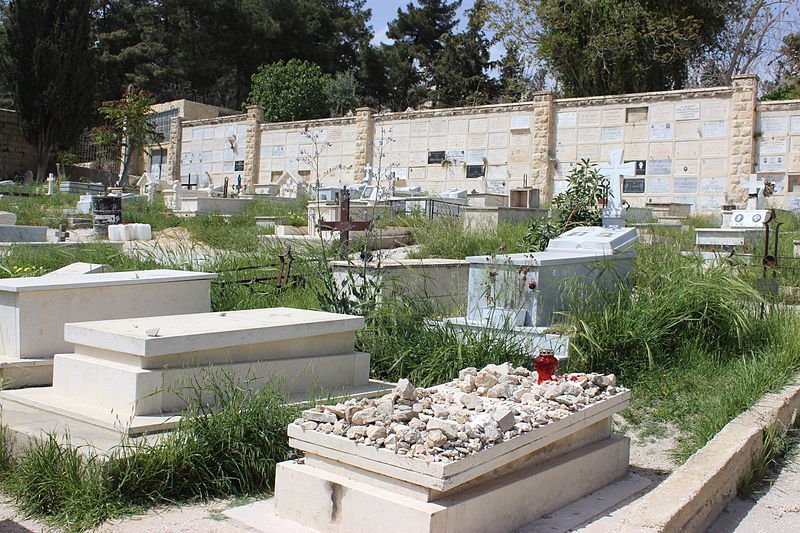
(225,119)
(332,121)
(659,95)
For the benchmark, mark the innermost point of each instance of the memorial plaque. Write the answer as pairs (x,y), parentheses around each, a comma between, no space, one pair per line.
(715,147)
(497,155)
(278,151)
(589,117)
(417,173)
(228,167)
(497,172)
(478,125)
(614,117)
(712,185)
(637,132)
(498,140)
(477,140)
(519,155)
(612,133)
(399,173)
(659,185)
(633,186)
(566,119)
(565,153)
(498,123)
(772,163)
(707,204)
(420,128)
(772,125)
(687,130)
(661,150)
(208,144)
(291,163)
(474,171)
(640,166)
(496,187)
(687,111)
(684,185)
(476,157)
(335,135)
(715,128)
(714,110)
(587,151)
(796,124)
(660,131)
(416,159)
(661,113)
(658,167)
(520,139)
(774,145)
(713,167)
(568,136)
(687,149)
(438,127)
(521,123)
(454,156)
(636,150)
(588,135)
(690,200)
(436,158)
(418,144)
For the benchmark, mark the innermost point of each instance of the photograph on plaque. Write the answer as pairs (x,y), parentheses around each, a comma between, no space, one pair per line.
(660,131)
(454,156)
(773,163)
(238,166)
(633,186)
(436,158)
(640,166)
(474,171)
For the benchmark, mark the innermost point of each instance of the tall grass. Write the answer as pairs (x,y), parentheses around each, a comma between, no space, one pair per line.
(37,209)
(230,452)
(448,238)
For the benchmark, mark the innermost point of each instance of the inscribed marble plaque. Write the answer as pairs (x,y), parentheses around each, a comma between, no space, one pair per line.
(712,185)
(773,145)
(417,173)
(496,186)
(715,147)
(433,143)
(436,157)
(420,128)
(636,151)
(587,151)
(685,185)
(633,185)
(613,117)
(454,156)
(417,158)
(476,157)
(438,127)
(477,140)
(796,124)
(520,139)
(714,110)
(497,172)
(713,167)
(589,117)
(612,133)
(474,171)
(568,136)
(659,167)
(521,123)
(661,150)
(478,125)
(498,140)
(659,185)
(687,149)
(588,135)
(497,156)
(687,111)
(660,131)
(498,123)
(687,130)
(769,125)
(278,151)
(772,163)
(565,152)
(708,204)
(661,113)
(566,119)
(519,155)
(637,132)
(690,200)
(715,128)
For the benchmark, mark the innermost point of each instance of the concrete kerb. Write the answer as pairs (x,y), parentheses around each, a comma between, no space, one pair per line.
(697,492)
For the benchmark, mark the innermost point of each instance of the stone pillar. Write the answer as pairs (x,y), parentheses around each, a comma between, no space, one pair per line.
(742,136)
(365,134)
(173,170)
(543,121)
(252,150)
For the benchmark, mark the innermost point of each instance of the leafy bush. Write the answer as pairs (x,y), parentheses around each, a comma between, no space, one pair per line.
(295,90)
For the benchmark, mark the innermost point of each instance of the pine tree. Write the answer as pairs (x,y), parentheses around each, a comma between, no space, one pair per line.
(49,67)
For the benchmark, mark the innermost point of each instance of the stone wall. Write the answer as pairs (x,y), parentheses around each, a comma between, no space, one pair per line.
(16,155)
(690,146)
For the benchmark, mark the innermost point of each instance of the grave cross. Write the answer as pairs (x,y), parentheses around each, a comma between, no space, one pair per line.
(62,233)
(755,192)
(368,172)
(345,225)
(613,171)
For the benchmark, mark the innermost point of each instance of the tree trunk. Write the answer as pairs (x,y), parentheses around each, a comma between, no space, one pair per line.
(43,149)
(127,155)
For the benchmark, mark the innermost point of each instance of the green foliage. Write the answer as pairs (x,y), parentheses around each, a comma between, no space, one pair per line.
(49,67)
(448,238)
(343,93)
(296,90)
(579,205)
(422,27)
(788,69)
(38,210)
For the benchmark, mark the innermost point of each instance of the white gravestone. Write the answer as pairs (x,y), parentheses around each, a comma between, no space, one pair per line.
(755,192)
(743,226)
(614,214)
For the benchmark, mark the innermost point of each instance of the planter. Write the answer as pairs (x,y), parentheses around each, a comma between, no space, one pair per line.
(499,317)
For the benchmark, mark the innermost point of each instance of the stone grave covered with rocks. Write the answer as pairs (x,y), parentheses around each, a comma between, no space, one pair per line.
(437,459)
(521,295)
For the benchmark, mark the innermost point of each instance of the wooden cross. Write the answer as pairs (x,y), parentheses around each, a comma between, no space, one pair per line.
(345,225)
(62,233)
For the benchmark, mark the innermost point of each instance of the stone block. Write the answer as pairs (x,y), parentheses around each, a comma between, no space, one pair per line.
(10,233)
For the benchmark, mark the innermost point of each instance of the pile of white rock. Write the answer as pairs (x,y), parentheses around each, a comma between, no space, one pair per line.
(450,421)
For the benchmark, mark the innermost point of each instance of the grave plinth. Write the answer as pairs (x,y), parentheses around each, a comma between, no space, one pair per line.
(136,372)
(744,226)
(33,311)
(521,295)
(345,486)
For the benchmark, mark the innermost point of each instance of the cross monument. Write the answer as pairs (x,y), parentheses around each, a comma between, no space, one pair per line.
(755,192)
(613,214)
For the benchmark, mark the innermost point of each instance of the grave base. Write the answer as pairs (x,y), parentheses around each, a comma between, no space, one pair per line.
(726,237)
(17,373)
(532,337)
(334,503)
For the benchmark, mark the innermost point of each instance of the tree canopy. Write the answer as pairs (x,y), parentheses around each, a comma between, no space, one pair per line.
(295,90)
